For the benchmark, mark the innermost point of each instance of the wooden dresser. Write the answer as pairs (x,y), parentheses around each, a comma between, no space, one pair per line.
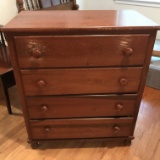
(80,74)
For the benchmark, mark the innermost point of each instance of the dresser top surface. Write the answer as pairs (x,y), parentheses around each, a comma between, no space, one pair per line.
(35,21)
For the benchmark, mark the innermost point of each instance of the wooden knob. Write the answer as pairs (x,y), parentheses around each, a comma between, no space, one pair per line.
(119,107)
(128,51)
(123,81)
(44,108)
(47,130)
(41,83)
(116,129)
(36,53)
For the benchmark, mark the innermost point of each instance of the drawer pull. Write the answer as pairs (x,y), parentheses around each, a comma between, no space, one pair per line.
(116,129)
(119,107)
(128,52)
(44,108)
(123,81)
(36,53)
(47,130)
(41,83)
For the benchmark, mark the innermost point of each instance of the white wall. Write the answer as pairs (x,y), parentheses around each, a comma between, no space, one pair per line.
(150,12)
(82,4)
(8,10)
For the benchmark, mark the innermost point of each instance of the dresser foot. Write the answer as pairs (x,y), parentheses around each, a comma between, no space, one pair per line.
(34,144)
(128,140)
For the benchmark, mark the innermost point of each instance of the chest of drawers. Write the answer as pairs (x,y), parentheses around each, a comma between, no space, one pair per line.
(80,74)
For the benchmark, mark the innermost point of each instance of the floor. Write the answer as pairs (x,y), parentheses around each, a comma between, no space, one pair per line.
(145,146)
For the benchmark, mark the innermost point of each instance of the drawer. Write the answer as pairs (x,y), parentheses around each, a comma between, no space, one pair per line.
(81,81)
(81,128)
(80,106)
(81,51)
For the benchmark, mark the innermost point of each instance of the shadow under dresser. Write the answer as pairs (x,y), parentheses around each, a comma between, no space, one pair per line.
(80,74)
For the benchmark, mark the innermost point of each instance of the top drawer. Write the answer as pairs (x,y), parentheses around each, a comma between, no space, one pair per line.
(81,51)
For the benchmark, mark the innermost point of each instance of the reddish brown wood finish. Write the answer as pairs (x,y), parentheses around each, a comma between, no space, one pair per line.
(86,22)
(81,81)
(69,64)
(80,106)
(81,128)
(78,51)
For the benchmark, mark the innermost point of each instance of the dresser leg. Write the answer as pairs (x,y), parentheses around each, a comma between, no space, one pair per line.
(34,144)
(128,140)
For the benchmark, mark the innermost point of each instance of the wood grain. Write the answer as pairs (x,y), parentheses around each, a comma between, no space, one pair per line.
(81,81)
(144,147)
(81,128)
(80,106)
(81,51)
(113,19)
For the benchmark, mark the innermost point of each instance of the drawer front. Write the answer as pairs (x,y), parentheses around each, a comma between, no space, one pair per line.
(81,128)
(81,81)
(80,106)
(76,51)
